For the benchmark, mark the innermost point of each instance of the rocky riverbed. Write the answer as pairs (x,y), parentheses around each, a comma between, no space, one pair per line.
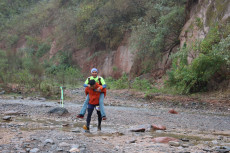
(133,125)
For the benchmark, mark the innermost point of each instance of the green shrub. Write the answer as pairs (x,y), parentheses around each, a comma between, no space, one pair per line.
(12,40)
(199,22)
(42,49)
(122,83)
(3,65)
(214,56)
(24,78)
(141,84)
(109,82)
(212,39)
(49,90)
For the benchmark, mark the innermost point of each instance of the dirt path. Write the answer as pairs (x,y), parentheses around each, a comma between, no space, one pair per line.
(197,127)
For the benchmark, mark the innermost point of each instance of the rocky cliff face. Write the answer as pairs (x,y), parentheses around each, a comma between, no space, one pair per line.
(113,63)
(201,15)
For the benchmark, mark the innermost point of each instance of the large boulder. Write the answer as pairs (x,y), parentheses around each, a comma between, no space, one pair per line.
(59,111)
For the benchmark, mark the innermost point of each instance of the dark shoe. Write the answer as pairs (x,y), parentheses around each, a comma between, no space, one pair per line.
(98,128)
(104,118)
(80,116)
(86,128)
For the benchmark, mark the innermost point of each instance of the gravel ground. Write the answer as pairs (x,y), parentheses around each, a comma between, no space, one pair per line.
(198,127)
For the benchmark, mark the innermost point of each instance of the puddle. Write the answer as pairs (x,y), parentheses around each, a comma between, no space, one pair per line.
(30,124)
(181,136)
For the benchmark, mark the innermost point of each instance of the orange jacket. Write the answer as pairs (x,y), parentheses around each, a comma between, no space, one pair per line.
(94,95)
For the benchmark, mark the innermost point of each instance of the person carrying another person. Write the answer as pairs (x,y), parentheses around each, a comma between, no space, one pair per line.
(101,82)
(94,91)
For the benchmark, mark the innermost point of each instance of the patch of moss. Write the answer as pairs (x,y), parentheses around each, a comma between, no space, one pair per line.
(216,11)
(210,14)
(199,22)
(191,26)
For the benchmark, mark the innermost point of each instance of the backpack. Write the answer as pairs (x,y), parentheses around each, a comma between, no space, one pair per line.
(99,79)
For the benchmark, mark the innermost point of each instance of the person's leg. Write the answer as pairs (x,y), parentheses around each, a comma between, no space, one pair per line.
(101,104)
(83,109)
(99,120)
(90,112)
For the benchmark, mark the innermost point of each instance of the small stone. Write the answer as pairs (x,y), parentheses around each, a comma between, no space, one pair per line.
(67,124)
(172,111)
(42,99)
(174,143)
(158,127)
(131,141)
(74,149)
(33,139)
(223,149)
(77,130)
(75,146)
(70,138)
(207,150)
(34,150)
(49,141)
(26,145)
(184,139)
(220,138)
(117,148)
(138,130)
(63,144)
(185,145)
(59,149)
(215,142)
(82,150)
(6,118)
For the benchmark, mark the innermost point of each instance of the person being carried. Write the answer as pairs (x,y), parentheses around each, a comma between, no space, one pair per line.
(101,82)
(93,91)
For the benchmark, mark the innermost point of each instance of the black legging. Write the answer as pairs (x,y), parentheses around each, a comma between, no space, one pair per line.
(90,112)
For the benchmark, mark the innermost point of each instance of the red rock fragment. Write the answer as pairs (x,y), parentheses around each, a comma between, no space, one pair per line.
(172,111)
(164,139)
(158,127)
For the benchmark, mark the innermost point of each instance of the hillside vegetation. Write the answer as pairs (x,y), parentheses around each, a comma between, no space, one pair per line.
(154,26)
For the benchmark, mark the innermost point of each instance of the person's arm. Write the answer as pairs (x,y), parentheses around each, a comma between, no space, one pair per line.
(99,88)
(86,84)
(103,83)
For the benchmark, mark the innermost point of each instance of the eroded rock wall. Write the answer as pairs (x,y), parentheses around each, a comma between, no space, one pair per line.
(201,15)
(110,63)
